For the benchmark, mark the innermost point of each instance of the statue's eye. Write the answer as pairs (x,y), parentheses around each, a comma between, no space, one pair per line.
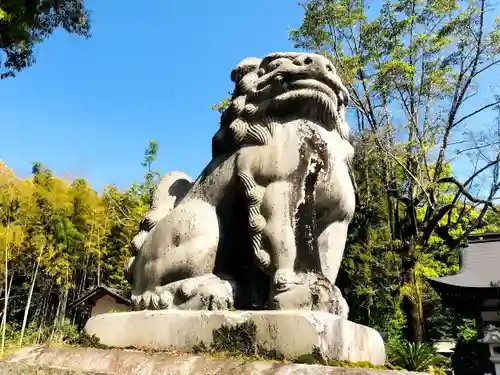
(329,68)
(308,60)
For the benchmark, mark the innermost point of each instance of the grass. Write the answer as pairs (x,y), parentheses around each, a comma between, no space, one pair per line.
(64,336)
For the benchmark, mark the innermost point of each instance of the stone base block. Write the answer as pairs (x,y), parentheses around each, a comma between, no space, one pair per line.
(80,361)
(290,333)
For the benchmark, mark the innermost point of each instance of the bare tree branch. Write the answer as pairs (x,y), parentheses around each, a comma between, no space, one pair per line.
(474,175)
(433,223)
(465,192)
(476,112)
(424,191)
(486,67)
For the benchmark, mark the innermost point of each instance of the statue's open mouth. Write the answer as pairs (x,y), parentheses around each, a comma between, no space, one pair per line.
(288,84)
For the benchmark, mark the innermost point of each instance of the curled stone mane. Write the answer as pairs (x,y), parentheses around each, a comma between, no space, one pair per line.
(269,92)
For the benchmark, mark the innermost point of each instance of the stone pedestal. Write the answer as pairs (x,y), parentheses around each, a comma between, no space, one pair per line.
(290,333)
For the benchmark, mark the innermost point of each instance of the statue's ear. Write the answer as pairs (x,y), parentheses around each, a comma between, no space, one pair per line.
(246,66)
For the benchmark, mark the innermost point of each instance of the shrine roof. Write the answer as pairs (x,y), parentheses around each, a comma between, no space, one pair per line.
(98,292)
(479,265)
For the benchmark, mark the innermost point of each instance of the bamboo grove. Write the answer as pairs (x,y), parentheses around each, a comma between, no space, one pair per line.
(58,239)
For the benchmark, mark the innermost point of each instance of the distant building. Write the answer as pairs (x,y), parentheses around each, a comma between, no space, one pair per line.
(475,289)
(101,300)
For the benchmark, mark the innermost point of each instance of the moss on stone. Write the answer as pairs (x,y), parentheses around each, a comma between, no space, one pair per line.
(314,359)
(237,341)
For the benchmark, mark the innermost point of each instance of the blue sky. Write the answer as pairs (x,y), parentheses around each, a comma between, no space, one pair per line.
(88,108)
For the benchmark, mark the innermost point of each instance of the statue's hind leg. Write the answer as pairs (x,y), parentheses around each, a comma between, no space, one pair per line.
(169,192)
(182,246)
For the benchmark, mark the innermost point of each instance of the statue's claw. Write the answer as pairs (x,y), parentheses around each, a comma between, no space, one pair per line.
(207,293)
(306,291)
(285,279)
(157,300)
(216,297)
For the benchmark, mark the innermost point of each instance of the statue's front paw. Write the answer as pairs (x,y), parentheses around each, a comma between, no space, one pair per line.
(214,295)
(328,297)
(159,299)
(306,292)
(341,307)
(206,292)
(216,299)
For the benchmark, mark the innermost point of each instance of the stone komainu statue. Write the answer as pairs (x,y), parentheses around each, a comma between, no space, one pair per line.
(264,226)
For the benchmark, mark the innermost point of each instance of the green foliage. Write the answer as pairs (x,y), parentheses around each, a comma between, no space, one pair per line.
(239,341)
(415,356)
(151,177)
(223,105)
(236,339)
(62,238)
(312,359)
(467,331)
(24,24)
(65,335)
(82,339)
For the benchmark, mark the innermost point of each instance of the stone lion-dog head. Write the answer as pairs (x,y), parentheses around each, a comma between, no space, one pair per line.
(279,88)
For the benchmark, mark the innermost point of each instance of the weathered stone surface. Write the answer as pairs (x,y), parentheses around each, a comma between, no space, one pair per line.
(264,225)
(291,333)
(80,361)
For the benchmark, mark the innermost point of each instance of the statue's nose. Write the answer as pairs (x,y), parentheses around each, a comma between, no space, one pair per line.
(315,61)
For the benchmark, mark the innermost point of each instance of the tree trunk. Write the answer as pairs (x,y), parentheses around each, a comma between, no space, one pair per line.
(64,305)
(7,291)
(28,303)
(4,317)
(46,306)
(55,324)
(417,324)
